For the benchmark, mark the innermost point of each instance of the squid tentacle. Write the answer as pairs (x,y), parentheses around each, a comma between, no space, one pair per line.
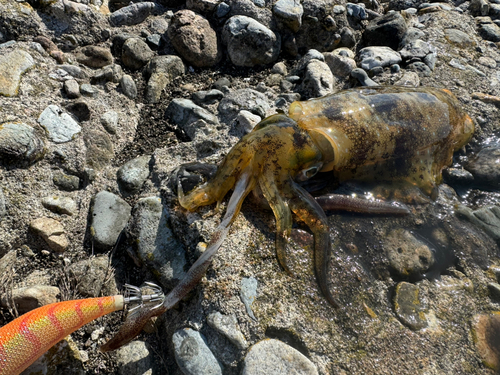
(338,202)
(136,321)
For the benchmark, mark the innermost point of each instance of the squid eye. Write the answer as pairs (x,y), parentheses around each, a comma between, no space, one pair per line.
(306,174)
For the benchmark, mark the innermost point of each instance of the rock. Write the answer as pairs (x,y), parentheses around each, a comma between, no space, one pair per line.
(20,143)
(421,68)
(362,77)
(94,56)
(207,97)
(479,7)
(136,53)
(7,262)
(248,293)
(74,71)
(29,298)
(318,80)
(79,109)
(279,68)
(184,112)
(99,149)
(60,126)
(155,243)
(66,182)
(194,39)
(227,325)
(289,12)
(415,49)
(193,355)
(64,357)
(109,121)
(486,218)
(458,38)
(72,89)
(134,358)
(494,289)
(110,215)
(250,43)
(202,6)
(162,70)
(486,331)
(3,206)
(12,66)
(243,99)
(222,10)
(356,11)
(273,357)
(489,31)
(132,175)
(132,14)
(371,57)
(341,66)
(387,30)
(127,84)
(484,166)
(52,231)
(311,54)
(88,90)
(407,255)
(111,73)
(61,205)
(244,123)
(154,41)
(92,276)
(409,79)
(409,306)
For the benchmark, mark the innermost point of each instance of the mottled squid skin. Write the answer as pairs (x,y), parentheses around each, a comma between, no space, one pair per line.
(26,338)
(372,133)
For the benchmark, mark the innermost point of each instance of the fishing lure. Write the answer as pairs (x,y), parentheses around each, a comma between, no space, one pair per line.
(370,133)
(26,338)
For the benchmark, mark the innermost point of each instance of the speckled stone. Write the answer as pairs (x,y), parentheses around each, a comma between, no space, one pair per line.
(132,175)
(193,355)
(62,205)
(20,142)
(134,358)
(12,66)
(52,231)
(60,126)
(273,357)
(486,331)
(409,306)
(227,325)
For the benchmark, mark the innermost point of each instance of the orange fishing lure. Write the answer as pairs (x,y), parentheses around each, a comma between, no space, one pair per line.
(26,338)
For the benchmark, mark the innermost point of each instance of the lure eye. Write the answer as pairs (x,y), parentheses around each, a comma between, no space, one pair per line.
(306,174)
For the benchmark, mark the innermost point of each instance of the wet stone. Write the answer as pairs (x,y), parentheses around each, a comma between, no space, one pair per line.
(484,166)
(407,255)
(155,243)
(60,126)
(66,181)
(194,39)
(94,56)
(132,175)
(52,231)
(29,298)
(20,143)
(227,325)
(486,331)
(370,57)
(12,66)
(110,215)
(486,218)
(249,43)
(60,205)
(409,306)
(193,355)
(134,358)
(109,121)
(494,289)
(273,357)
(248,293)
(127,84)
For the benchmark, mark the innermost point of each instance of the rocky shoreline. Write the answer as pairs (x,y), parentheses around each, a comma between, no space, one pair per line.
(101,101)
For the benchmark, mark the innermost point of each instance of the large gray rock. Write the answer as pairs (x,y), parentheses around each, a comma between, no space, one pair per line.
(194,39)
(132,14)
(273,357)
(60,126)
(387,30)
(484,166)
(371,57)
(162,70)
(250,43)
(318,80)
(193,354)
(110,215)
(289,12)
(243,99)
(20,143)
(132,175)
(136,53)
(155,243)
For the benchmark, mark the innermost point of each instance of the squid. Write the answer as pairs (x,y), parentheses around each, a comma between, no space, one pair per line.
(386,134)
